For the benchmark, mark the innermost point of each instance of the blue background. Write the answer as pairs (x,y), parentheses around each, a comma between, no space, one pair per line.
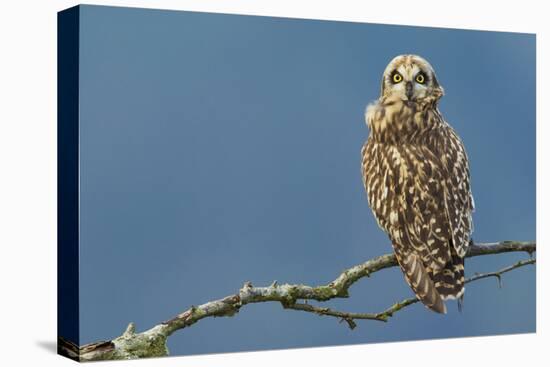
(218,149)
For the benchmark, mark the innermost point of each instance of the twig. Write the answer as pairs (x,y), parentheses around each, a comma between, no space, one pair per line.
(349,317)
(497,274)
(152,342)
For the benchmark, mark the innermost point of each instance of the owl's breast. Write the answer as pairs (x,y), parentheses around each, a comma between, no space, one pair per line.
(396,121)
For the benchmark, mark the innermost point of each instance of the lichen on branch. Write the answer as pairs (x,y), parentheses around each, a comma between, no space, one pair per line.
(152,342)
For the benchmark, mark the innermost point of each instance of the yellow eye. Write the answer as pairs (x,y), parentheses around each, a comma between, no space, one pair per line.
(420,79)
(397,78)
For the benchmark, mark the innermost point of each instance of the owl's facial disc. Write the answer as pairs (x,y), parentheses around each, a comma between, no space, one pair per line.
(408,82)
(411,79)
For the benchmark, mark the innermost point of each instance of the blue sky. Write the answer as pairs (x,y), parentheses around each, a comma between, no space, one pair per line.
(218,149)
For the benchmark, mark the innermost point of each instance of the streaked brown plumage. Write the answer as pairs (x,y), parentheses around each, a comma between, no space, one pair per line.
(415,171)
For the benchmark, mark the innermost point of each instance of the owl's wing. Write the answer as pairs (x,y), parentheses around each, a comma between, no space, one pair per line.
(421,205)
(407,191)
(458,196)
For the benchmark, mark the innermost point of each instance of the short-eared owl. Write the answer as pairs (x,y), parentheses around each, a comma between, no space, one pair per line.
(415,171)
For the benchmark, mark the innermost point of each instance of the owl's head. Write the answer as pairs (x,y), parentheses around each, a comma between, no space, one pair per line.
(410,78)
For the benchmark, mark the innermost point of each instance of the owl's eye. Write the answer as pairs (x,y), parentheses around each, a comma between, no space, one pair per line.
(420,78)
(397,78)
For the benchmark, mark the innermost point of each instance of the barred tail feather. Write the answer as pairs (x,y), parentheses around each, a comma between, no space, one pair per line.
(419,280)
(449,280)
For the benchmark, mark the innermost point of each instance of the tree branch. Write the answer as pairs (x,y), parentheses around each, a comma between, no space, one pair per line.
(152,342)
(497,274)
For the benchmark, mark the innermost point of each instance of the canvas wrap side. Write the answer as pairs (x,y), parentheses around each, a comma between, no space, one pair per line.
(67,175)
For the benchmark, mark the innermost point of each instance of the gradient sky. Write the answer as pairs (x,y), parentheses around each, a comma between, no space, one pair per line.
(219,149)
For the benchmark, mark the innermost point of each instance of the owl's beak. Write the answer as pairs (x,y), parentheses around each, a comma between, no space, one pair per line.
(409,90)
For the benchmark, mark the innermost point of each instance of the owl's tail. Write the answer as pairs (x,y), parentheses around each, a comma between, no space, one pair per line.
(449,280)
(420,279)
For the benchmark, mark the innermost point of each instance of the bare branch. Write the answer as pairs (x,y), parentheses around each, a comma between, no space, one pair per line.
(152,342)
(344,316)
(497,274)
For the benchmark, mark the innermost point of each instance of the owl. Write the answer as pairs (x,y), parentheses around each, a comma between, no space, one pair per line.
(416,174)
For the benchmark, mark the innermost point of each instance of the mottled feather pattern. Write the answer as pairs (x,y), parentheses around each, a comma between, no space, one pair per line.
(416,275)
(415,171)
